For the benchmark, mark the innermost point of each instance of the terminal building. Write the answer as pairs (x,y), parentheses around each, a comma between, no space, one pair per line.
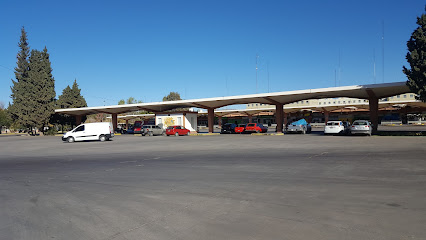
(402,108)
(374,102)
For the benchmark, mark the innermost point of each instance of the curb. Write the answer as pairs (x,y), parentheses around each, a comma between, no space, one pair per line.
(267,134)
(11,134)
(204,134)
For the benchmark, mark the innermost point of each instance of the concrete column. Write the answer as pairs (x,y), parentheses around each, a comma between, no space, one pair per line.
(374,113)
(326,115)
(310,118)
(219,121)
(250,117)
(210,119)
(78,120)
(285,119)
(127,124)
(114,121)
(279,117)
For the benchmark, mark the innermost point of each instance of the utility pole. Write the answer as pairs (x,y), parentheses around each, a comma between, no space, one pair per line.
(257,56)
(339,70)
(374,65)
(383,49)
(267,69)
(335,78)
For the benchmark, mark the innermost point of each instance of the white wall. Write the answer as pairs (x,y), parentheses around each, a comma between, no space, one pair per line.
(189,120)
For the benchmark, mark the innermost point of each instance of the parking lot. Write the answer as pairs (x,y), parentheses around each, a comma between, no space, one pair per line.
(214,187)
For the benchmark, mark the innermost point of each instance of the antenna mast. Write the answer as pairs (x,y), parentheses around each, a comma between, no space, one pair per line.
(383,49)
(335,74)
(374,65)
(267,69)
(339,69)
(257,56)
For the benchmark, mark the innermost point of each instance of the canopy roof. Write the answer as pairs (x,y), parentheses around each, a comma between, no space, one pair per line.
(321,108)
(358,91)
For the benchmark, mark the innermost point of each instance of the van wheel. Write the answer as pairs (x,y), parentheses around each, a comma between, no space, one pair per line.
(176,134)
(304,131)
(150,134)
(70,139)
(102,138)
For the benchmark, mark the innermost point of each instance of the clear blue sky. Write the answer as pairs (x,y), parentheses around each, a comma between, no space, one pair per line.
(145,49)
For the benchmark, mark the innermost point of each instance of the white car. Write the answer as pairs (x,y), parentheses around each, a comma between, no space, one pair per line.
(361,127)
(101,131)
(335,127)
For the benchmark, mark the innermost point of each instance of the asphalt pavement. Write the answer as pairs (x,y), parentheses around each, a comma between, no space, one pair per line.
(214,187)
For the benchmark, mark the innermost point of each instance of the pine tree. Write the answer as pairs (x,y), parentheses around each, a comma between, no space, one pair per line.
(41,90)
(19,110)
(416,57)
(78,99)
(64,100)
(70,98)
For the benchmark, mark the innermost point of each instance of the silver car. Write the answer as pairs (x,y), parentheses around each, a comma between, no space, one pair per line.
(152,130)
(361,127)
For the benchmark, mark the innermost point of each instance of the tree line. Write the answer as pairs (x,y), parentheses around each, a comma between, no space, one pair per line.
(33,92)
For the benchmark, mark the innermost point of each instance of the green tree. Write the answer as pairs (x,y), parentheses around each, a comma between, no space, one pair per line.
(130,100)
(19,109)
(42,96)
(173,96)
(70,98)
(33,92)
(416,57)
(5,120)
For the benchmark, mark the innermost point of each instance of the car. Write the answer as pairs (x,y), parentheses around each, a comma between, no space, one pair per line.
(120,130)
(299,126)
(240,128)
(137,127)
(228,128)
(151,130)
(101,131)
(177,131)
(336,127)
(361,127)
(255,127)
(130,130)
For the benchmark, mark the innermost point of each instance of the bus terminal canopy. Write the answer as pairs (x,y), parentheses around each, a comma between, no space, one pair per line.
(376,91)
(372,92)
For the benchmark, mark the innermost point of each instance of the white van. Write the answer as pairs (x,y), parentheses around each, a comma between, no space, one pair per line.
(101,131)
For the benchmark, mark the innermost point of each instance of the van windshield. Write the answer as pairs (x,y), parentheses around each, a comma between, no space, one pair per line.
(79,129)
